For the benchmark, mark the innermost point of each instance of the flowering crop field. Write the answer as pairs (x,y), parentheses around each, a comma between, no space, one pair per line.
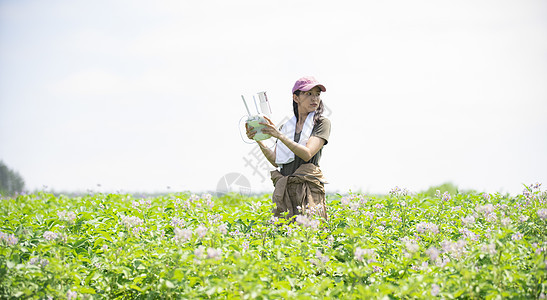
(186,246)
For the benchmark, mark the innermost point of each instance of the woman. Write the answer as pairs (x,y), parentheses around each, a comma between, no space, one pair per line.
(299,184)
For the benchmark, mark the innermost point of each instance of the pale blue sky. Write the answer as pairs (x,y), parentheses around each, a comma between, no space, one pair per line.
(140,95)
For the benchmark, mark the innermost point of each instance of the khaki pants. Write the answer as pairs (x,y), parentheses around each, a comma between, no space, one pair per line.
(316,206)
(304,189)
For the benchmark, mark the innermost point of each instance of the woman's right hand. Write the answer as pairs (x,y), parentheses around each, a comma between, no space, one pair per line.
(250,131)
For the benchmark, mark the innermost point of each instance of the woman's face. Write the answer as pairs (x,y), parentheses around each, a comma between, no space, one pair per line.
(308,101)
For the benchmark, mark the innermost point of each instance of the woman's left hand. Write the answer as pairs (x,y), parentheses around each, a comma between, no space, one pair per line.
(269,128)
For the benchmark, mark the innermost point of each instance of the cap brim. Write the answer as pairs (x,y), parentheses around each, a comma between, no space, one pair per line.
(311,86)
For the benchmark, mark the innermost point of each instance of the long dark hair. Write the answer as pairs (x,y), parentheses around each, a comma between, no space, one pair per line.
(318,111)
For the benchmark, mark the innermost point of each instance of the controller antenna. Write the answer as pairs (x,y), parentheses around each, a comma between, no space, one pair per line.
(245,102)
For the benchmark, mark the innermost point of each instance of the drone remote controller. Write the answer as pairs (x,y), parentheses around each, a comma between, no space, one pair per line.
(255,120)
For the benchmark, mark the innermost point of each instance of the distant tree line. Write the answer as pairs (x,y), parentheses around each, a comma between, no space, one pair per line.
(10,181)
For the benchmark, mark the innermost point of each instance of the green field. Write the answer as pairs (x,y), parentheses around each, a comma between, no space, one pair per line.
(186,246)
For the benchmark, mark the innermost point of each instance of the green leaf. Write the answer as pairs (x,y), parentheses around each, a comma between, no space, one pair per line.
(281,285)
(459,293)
(87,290)
(89,277)
(178,274)
(135,287)
(169,284)
(10,264)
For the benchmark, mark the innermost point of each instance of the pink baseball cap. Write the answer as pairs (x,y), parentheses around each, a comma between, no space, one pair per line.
(307,83)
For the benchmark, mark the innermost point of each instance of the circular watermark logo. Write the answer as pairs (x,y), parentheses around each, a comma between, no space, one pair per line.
(233,183)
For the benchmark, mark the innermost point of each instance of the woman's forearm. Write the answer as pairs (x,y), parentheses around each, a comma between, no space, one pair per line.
(301,151)
(268,153)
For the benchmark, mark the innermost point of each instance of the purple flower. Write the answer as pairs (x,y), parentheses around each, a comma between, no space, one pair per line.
(412,246)
(215,218)
(354,206)
(454,248)
(420,227)
(314,223)
(307,222)
(209,203)
(235,233)
(71,295)
(441,263)
(67,216)
(423,227)
(369,215)
(177,222)
(199,251)
(138,230)
(34,261)
(485,209)
(223,228)
(536,185)
(491,217)
(322,258)
(359,253)
(542,213)
(182,235)
(201,231)
(214,253)
(301,219)
(489,248)
(44,262)
(132,221)
(468,220)
(50,235)
(345,201)
(469,234)
(517,236)
(397,191)
(435,289)
(506,222)
(12,240)
(9,240)
(433,253)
